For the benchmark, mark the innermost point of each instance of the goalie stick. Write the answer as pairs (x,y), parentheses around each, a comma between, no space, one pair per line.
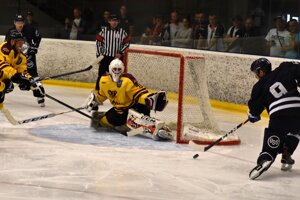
(73,72)
(13,121)
(221,138)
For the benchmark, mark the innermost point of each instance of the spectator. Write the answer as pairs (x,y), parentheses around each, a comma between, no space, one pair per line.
(30,20)
(233,34)
(157,30)
(251,42)
(170,29)
(278,38)
(126,22)
(146,37)
(104,21)
(199,30)
(77,27)
(183,37)
(88,16)
(292,51)
(215,32)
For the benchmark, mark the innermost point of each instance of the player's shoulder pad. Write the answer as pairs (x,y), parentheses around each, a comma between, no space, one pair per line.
(5,49)
(285,66)
(130,77)
(105,77)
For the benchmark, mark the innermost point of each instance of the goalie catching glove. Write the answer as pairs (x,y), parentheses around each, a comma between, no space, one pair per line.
(91,103)
(157,101)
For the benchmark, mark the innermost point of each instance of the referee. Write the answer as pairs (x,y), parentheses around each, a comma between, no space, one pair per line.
(111,42)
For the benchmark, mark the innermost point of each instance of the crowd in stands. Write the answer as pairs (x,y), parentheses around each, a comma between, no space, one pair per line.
(205,32)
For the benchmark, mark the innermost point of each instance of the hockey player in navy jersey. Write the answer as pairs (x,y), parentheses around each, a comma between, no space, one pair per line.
(277,92)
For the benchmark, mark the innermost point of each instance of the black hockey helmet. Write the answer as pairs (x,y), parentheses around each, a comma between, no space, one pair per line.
(261,64)
(15,35)
(19,18)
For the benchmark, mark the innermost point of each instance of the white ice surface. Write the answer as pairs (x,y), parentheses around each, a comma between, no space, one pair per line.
(61,158)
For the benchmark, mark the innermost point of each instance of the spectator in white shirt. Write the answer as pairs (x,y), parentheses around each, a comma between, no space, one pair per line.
(170,29)
(183,37)
(278,38)
(76,27)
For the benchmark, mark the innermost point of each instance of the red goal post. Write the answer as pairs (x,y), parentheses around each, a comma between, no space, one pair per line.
(184,78)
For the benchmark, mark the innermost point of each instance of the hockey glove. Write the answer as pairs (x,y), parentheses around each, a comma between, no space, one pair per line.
(157,101)
(23,81)
(91,103)
(9,86)
(37,89)
(253,118)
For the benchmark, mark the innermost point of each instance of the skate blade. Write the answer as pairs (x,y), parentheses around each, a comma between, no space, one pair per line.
(286,167)
(42,104)
(259,169)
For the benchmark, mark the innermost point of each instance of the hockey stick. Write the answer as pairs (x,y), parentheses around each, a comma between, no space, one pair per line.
(73,72)
(221,138)
(68,106)
(13,121)
(74,109)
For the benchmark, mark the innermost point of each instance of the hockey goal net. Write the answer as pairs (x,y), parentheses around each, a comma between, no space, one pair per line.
(189,112)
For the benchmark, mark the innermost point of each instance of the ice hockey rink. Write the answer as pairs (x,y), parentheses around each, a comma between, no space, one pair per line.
(61,158)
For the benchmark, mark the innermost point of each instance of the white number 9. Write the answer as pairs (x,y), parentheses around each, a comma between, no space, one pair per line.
(277,90)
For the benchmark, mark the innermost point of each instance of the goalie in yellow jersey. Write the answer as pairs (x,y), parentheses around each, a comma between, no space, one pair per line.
(131,103)
(13,68)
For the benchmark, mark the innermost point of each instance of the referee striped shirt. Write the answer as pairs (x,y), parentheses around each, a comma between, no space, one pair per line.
(109,42)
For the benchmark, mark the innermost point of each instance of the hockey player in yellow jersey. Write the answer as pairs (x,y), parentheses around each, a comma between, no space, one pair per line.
(13,67)
(131,104)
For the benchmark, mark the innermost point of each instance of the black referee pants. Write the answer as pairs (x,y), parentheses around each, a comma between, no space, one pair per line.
(103,68)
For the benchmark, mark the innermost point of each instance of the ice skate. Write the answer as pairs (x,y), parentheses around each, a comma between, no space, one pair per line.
(163,134)
(287,162)
(259,169)
(41,101)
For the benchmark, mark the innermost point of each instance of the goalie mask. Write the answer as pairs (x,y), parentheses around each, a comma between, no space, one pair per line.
(116,68)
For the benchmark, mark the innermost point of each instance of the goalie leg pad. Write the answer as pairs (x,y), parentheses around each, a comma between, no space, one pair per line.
(149,126)
(99,120)
(96,117)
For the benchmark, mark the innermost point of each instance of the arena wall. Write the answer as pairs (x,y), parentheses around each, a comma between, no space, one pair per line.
(228,75)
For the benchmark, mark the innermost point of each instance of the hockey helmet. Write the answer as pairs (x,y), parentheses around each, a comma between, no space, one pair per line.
(261,64)
(116,68)
(19,18)
(15,35)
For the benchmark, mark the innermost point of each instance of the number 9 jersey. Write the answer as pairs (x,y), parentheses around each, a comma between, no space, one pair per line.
(277,92)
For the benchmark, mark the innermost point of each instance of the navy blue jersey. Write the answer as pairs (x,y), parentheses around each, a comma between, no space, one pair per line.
(277,92)
(31,35)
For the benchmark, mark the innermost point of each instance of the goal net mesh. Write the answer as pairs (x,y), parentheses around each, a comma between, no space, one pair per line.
(188,112)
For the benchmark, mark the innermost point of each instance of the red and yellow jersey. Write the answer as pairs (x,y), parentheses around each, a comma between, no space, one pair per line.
(11,62)
(122,94)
